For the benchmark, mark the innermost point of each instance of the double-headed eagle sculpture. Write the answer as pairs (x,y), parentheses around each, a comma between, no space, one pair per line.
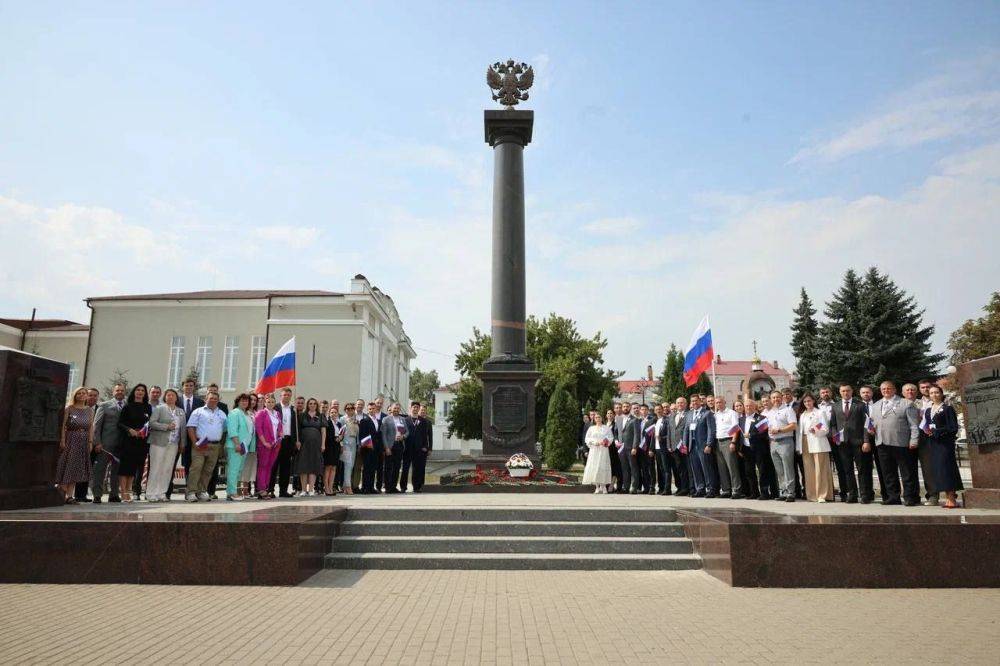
(509,80)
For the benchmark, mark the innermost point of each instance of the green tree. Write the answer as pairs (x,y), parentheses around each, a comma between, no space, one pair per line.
(193,376)
(703,386)
(422,385)
(977,338)
(840,335)
(805,332)
(606,403)
(562,428)
(118,376)
(560,354)
(875,332)
(672,381)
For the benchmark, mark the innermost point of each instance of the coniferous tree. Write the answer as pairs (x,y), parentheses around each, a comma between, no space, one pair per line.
(672,381)
(606,403)
(562,427)
(118,376)
(805,332)
(840,347)
(703,386)
(898,343)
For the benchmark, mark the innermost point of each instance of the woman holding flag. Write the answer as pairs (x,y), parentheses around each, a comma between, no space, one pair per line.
(815,449)
(241,441)
(268,427)
(940,423)
(133,422)
(599,439)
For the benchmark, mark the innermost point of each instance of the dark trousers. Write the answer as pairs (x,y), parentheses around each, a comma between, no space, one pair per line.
(338,477)
(185,462)
(282,470)
(380,467)
(899,464)
(647,470)
(705,462)
(926,468)
(626,460)
(767,478)
(852,457)
(393,464)
(677,464)
(664,473)
(369,462)
(616,468)
(748,471)
(418,461)
(843,483)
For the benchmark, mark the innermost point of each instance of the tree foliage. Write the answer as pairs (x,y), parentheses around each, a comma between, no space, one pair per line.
(672,381)
(193,376)
(805,332)
(422,385)
(977,338)
(874,332)
(560,354)
(562,429)
(118,376)
(606,403)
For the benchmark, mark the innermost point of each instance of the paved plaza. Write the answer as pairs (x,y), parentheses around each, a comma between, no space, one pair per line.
(488,617)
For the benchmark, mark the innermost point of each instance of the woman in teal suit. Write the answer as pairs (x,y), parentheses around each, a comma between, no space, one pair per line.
(241,439)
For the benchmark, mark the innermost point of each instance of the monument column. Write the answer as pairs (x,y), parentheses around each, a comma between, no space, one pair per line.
(508,375)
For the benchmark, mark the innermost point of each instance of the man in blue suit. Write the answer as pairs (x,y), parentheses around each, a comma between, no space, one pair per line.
(700,438)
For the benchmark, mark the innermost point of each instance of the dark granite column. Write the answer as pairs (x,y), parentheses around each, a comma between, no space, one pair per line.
(508,376)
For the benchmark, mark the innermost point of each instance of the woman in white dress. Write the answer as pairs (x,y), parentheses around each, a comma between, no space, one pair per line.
(598,469)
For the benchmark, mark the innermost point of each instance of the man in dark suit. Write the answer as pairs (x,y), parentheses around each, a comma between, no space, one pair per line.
(757,452)
(369,445)
(417,447)
(677,462)
(282,470)
(847,421)
(699,439)
(189,402)
(664,469)
(394,429)
(631,441)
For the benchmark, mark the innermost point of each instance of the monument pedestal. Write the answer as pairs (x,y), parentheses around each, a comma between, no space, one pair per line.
(32,400)
(979,381)
(508,413)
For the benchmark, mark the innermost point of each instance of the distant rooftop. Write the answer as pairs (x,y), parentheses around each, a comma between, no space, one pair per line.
(217,294)
(44,324)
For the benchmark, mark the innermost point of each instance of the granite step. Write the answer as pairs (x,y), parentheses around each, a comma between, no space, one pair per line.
(546,514)
(513,528)
(512,544)
(513,561)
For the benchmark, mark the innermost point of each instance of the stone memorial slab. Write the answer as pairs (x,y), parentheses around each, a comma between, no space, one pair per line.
(979,383)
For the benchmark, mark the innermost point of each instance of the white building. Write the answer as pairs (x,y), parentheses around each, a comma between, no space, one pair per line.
(444,398)
(348,345)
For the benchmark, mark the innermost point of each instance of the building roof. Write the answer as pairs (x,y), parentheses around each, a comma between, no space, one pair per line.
(448,387)
(217,294)
(744,368)
(44,324)
(632,385)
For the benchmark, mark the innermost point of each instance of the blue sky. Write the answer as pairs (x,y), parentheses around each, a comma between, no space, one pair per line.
(689,158)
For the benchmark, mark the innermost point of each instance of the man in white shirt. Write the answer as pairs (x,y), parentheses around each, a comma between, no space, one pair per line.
(726,419)
(282,471)
(680,463)
(660,443)
(781,423)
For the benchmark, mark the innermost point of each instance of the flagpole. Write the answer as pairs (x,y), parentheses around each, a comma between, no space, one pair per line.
(715,389)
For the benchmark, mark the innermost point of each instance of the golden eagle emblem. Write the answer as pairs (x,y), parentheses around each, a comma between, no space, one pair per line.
(508,81)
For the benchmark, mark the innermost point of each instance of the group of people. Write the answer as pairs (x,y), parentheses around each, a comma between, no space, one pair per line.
(267,446)
(782,448)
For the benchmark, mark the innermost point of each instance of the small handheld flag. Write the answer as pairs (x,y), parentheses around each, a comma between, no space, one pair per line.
(838,436)
(144,431)
(280,371)
(699,353)
(735,429)
(870,424)
(366,442)
(762,425)
(925,422)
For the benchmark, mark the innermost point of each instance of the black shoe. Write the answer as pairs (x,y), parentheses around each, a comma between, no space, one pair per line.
(712,495)
(888,502)
(698,493)
(763,497)
(633,492)
(851,499)
(667,492)
(683,493)
(724,494)
(738,496)
(285,495)
(115,499)
(97,500)
(911,503)
(867,500)
(789,499)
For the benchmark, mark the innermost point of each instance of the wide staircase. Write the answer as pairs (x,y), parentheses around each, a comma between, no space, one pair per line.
(511,538)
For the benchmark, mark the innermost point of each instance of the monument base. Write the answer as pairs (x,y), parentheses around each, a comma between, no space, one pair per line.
(508,412)
(30,498)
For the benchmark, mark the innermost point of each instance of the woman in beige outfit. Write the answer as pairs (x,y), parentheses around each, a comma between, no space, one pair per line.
(815,449)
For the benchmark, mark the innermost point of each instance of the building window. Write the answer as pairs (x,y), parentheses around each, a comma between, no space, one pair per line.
(257,351)
(203,363)
(447,408)
(74,377)
(175,369)
(230,359)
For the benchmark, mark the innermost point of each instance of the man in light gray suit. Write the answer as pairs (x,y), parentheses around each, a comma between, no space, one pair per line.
(106,435)
(394,430)
(897,433)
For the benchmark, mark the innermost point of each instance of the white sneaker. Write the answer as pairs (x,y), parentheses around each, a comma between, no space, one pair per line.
(203,497)
(190,497)
(821,500)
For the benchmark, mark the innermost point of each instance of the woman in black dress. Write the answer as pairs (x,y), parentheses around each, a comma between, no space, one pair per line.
(940,424)
(331,453)
(616,464)
(134,425)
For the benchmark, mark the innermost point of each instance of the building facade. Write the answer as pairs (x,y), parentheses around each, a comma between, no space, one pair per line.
(58,339)
(348,345)
(444,398)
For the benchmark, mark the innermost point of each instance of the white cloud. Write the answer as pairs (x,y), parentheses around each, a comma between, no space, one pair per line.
(612,226)
(962,101)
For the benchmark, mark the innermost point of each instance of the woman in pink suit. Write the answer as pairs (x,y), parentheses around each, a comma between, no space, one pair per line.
(267,423)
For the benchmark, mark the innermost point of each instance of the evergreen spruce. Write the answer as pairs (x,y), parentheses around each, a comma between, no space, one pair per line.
(118,376)
(702,386)
(672,382)
(562,426)
(606,403)
(805,332)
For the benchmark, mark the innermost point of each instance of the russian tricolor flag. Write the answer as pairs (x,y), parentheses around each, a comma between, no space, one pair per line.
(762,425)
(699,353)
(280,372)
